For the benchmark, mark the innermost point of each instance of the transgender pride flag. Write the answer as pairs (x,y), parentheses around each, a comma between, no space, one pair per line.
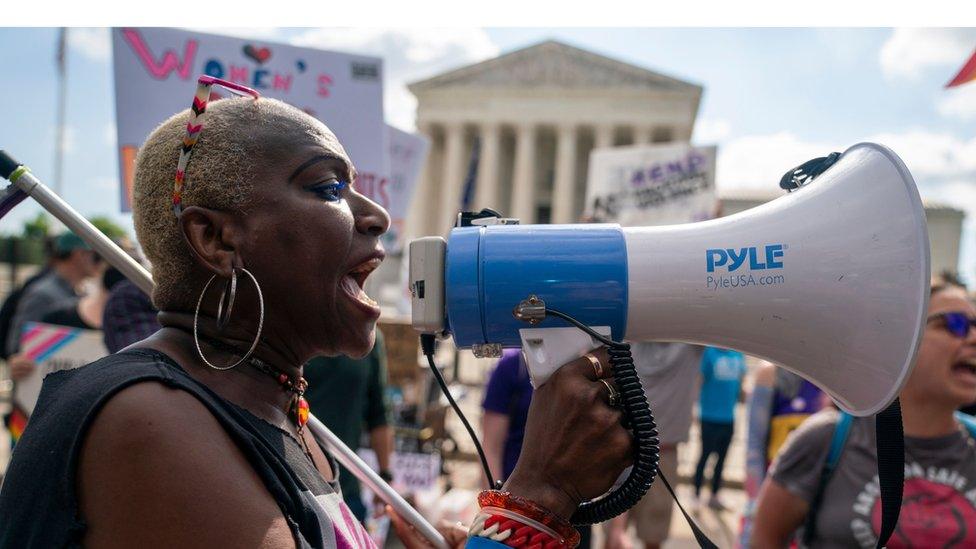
(38,342)
(53,348)
(41,341)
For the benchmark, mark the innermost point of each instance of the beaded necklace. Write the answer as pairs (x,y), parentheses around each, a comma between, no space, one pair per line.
(298,409)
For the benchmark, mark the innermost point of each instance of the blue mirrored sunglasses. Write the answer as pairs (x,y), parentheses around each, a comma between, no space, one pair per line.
(956,323)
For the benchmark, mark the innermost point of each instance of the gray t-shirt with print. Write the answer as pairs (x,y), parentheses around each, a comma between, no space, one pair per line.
(939,504)
(670,375)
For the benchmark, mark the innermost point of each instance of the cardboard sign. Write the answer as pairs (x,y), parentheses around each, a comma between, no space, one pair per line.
(156,71)
(412,472)
(651,185)
(416,472)
(402,349)
(53,348)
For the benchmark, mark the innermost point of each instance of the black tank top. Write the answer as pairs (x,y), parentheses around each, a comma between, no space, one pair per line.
(38,499)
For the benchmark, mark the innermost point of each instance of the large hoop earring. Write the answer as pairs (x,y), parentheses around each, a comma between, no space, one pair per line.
(196,318)
(227,297)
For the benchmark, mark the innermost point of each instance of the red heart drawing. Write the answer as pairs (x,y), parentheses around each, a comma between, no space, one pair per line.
(259,55)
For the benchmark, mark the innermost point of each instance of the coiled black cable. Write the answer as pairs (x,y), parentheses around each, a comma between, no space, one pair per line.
(637,417)
(640,420)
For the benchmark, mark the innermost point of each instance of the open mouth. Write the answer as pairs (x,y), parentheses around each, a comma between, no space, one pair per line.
(966,367)
(354,281)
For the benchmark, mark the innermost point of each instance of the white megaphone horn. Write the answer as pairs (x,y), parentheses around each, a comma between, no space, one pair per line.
(830,281)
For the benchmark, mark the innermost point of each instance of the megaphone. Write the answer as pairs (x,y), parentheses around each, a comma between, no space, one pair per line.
(830,281)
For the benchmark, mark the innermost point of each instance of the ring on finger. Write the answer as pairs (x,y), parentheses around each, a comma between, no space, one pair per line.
(597,365)
(613,395)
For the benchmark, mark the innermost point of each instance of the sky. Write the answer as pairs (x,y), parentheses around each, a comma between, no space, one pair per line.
(773,98)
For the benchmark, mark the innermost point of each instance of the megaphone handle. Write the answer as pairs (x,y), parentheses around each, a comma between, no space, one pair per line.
(545,350)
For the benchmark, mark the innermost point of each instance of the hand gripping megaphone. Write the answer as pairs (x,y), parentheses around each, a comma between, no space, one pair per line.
(830,281)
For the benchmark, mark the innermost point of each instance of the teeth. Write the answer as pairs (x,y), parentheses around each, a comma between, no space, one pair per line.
(367,266)
(365,298)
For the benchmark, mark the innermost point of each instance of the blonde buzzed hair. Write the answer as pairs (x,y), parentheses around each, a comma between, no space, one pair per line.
(238,136)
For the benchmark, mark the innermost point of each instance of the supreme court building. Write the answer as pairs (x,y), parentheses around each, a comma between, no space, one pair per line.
(533,116)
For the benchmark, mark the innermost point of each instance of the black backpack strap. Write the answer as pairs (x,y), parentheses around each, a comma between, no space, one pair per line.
(891,467)
(891,470)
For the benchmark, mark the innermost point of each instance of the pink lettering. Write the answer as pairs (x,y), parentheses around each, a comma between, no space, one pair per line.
(238,74)
(384,197)
(168,63)
(364,182)
(324,82)
(281,82)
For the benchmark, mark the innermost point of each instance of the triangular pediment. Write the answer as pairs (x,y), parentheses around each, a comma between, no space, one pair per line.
(553,64)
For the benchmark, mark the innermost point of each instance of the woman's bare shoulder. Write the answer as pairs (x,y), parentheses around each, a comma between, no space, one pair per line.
(157,469)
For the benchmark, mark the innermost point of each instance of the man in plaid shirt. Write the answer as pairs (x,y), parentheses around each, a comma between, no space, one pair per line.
(129,317)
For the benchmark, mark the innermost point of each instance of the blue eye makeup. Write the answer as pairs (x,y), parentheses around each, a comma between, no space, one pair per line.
(330,191)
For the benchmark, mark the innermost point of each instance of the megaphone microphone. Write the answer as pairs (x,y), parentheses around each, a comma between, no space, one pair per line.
(830,281)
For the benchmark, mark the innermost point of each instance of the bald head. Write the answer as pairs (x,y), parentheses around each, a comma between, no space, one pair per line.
(241,140)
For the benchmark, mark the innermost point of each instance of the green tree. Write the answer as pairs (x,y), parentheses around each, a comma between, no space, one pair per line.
(108,227)
(39,227)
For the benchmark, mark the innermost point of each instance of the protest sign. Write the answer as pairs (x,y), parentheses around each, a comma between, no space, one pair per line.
(156,72)
(406,153)
(416,472)
(53,348)
(651,184)
(412,471)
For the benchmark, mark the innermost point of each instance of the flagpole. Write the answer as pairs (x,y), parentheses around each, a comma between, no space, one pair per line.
(60,112)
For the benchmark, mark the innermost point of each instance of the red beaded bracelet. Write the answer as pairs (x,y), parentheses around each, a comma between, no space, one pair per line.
(511,529)
(531,510)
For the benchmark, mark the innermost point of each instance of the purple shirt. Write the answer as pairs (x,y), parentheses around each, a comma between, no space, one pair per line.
(129,317)
(509,392)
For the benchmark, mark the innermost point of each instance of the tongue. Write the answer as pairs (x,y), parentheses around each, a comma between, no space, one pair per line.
(350,285)
(353,288)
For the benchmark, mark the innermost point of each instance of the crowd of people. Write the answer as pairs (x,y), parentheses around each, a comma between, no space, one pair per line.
(795,489)
(192,432)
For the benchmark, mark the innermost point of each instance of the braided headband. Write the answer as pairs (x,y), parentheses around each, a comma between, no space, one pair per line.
(195,125)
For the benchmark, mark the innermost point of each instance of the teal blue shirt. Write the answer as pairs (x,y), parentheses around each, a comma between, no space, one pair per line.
(722,372)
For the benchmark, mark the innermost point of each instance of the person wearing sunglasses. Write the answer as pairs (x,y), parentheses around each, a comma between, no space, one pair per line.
(196,436)
(825,479)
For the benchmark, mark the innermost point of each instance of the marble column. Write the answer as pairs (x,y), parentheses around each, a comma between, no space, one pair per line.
(563,197)
(452,180)
(603,136)
(523,186)
(643,135)
(486,194)
(662,134)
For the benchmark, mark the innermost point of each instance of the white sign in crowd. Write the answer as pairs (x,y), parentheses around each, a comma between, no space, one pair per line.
(406,154)
(651,184)
(54,348)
